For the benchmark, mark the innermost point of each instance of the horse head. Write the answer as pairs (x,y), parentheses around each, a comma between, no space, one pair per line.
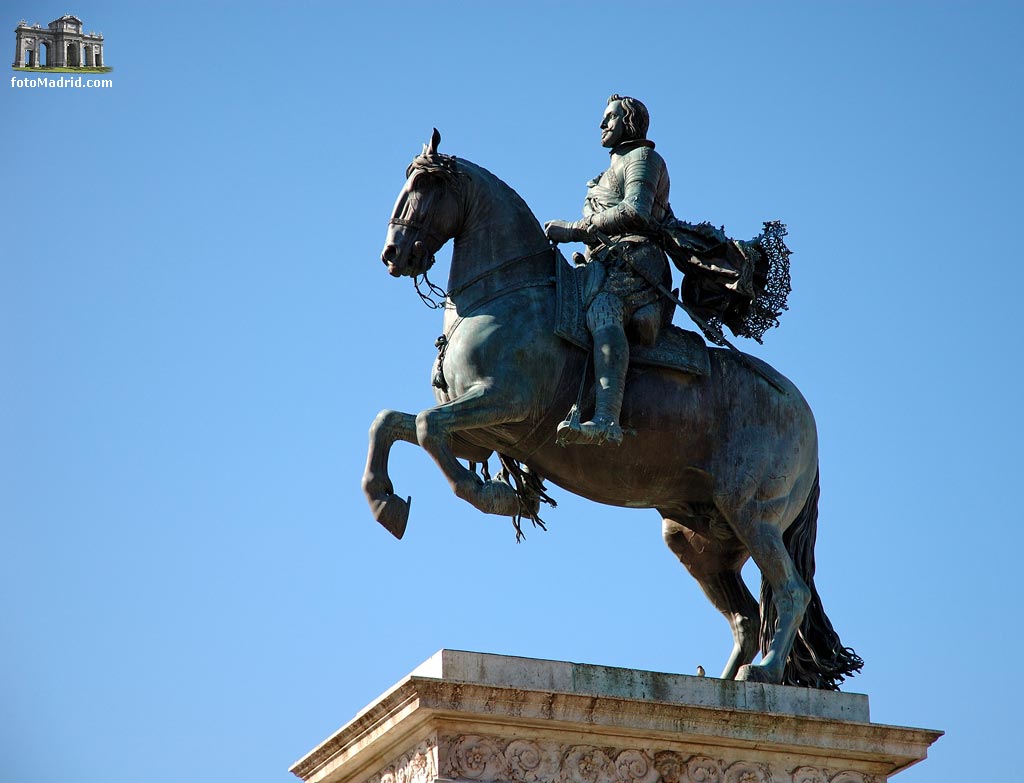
(425,214)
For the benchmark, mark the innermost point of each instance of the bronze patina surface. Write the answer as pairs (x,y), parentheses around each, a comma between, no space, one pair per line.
(728,459)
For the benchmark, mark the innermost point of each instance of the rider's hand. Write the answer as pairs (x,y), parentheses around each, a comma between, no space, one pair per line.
(564,231)
(558,231)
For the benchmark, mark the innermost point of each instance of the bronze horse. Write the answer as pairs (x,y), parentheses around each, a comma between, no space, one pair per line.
(729,462)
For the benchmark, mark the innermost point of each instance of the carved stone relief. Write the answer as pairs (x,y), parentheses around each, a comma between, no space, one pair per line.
(489,759)
(418,765)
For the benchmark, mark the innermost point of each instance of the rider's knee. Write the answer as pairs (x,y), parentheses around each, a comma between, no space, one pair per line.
(645,324)
(606,310)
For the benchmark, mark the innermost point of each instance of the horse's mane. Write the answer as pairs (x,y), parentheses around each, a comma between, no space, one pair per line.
(443,166)
(494,223)
(478,185)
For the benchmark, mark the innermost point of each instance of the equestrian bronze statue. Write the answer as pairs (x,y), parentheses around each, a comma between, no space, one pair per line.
(722,445)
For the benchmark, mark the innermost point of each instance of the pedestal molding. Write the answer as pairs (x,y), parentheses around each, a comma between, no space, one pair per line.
(429,728)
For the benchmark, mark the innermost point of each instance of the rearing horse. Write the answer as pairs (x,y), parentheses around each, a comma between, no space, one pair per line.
(729,462)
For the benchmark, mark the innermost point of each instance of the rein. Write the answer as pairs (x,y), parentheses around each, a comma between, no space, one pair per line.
(537,275)
(436,298)
(433,291)
(499,268)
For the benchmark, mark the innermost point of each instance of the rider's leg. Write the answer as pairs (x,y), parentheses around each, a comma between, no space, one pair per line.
(645,324)
(611,361)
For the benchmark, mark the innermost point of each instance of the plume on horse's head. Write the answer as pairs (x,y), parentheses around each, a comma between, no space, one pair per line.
(431,161)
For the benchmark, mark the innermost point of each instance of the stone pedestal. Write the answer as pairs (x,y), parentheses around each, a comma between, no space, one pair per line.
(465,716)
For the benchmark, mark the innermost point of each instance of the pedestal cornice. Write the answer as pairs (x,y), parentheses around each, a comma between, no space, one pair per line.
(469,716)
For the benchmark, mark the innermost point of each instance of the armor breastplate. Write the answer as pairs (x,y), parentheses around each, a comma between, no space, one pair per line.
(631,196)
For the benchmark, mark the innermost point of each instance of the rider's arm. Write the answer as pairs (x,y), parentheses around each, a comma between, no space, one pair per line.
(642,173)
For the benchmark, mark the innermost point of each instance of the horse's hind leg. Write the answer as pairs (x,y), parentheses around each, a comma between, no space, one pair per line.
(758,525)
(716,564)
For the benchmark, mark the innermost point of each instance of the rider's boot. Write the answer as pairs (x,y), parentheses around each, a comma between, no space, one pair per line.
(611,360)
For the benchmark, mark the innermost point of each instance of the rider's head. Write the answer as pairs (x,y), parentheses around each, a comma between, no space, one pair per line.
(625,119)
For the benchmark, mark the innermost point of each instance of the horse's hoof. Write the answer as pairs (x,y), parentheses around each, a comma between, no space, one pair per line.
(393,513)
(753,673)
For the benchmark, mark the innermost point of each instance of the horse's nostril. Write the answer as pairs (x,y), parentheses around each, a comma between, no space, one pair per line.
(390,253)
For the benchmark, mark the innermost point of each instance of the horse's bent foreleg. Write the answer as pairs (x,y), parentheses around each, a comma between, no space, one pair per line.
(716,566)
(388,508)
(473,410)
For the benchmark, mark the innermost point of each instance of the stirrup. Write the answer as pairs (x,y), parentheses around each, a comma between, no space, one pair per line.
(603,429)
(571,423)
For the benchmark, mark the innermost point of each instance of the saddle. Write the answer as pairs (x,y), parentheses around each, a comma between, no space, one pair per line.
(676,348)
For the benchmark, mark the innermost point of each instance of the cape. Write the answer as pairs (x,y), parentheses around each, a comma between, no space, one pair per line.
(740,284)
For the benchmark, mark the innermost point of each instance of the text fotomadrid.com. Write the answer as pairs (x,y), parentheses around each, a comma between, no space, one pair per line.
(47,82)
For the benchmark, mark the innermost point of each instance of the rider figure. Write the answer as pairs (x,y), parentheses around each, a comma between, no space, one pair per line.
(627,204)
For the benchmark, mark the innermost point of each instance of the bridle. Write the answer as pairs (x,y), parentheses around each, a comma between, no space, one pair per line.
(437,166)
(423,231)
(445,168)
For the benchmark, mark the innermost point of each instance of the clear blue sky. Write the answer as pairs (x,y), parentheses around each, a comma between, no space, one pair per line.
(196,331)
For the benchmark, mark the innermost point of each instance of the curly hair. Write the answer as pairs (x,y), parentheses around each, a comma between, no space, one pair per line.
(635,115)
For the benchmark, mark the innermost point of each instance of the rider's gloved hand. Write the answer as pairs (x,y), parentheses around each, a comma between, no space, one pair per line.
(564,231)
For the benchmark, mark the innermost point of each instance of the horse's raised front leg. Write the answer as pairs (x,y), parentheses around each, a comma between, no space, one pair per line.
(388,508)
(473,410)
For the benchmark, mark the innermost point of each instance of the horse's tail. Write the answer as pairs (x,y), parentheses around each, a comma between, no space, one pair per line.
(818,659)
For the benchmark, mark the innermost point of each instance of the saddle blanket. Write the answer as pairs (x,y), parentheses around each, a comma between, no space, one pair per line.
(676,348)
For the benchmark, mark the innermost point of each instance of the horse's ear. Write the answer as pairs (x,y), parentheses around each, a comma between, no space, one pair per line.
(435,139)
